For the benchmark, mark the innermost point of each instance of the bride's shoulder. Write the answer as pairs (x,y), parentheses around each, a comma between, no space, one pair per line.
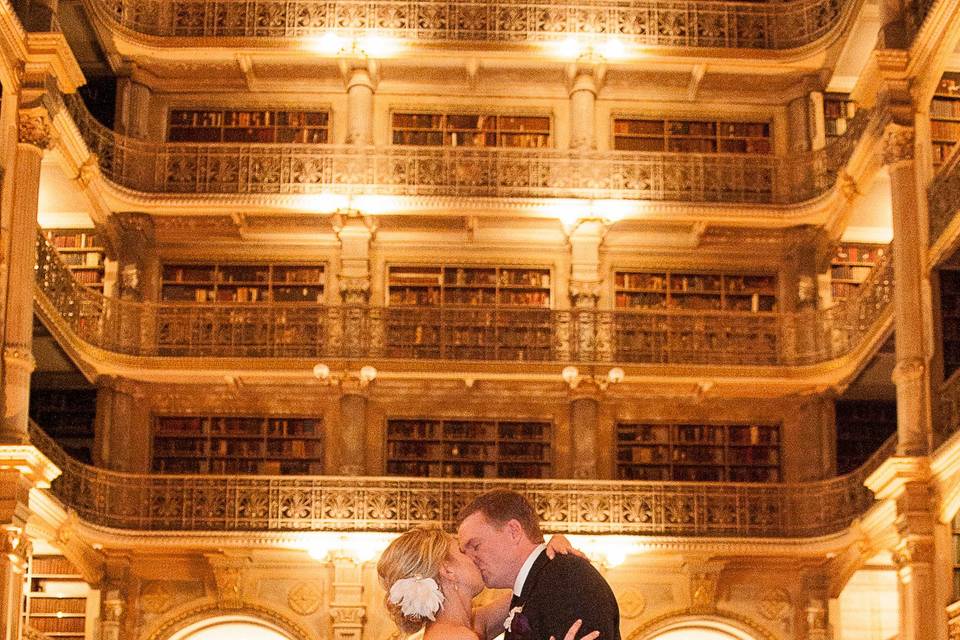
(444,631)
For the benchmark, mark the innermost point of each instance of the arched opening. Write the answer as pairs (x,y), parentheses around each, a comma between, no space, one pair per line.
(698,629)
(230,628)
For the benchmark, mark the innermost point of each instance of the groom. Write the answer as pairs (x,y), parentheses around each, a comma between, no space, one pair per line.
(500,532)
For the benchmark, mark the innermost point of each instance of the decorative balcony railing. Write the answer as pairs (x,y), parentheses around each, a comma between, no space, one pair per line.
(943,198)
(461,171)
(950,406)
(671,23)
(294,503)
(279,330)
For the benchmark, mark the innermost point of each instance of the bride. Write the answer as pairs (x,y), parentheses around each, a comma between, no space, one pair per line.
(431,583)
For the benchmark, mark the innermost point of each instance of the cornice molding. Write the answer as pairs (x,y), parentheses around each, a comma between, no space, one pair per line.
(51,51)
(890,479)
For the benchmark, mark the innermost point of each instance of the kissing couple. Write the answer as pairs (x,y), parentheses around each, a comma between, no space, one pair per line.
(431,578)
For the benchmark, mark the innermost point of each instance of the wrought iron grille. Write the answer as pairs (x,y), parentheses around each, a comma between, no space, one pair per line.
(278,503)
(463,171)
(674,23)
(943,197)
(285,330)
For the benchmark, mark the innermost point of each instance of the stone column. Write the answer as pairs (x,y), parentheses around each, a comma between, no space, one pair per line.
(138,265)
(122,426)
(911,373)
(360,76)
(353,428)
(584,80)
(584,418)
(818,129)
(133,108)
(590,341)
(355,333)
(114,595)
(19,252)
(346,606)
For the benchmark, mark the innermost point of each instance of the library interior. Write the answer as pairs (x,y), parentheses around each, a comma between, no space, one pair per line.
(283,279)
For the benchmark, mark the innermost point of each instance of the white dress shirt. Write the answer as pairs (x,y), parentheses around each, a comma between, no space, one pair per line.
(525,568)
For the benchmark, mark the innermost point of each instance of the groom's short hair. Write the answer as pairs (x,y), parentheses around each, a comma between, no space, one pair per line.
(500,506)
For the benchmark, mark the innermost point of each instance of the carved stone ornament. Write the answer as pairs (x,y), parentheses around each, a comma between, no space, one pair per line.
(914,550)
(34,127)
(350,616)
(908,371)
(155,597)
(229,581)
(16,547)
(776,606)
(304,598)
(703,590)
(584,294)
(632,603)
(897,144)
(20,357)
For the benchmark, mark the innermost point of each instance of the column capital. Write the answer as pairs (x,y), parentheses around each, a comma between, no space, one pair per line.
(586,74)
(360,71)
(35,128)
(20,357)
(898,144)
(909,370)
(585,293)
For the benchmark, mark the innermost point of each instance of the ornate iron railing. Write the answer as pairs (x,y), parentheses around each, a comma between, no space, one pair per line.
(461,171)
(943,198)
(257,503)
(289,330)
(673,23)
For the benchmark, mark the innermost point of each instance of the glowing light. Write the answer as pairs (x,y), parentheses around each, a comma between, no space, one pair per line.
(613,210)
(368,374)
(329,44)
(612,49)
(376,205)
(377,46)
(569,374)
(610,551)
(615,375)
(358,547)
(322,202)
(568,49)
(321,371)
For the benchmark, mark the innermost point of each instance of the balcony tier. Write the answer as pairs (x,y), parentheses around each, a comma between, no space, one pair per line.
(312,503)
(279,330)
(230,169)
(674,23)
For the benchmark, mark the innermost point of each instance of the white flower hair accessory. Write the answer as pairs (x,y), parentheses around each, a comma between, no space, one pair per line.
(508,623)
(417,596)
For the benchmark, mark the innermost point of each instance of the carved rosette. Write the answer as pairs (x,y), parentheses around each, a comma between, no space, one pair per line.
(304,598)
(777,607)
(898,144)
(35,128)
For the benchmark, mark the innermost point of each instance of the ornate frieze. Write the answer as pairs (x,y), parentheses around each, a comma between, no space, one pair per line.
(898,144)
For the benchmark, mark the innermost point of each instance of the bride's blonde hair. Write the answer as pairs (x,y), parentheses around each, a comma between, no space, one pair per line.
(418,552)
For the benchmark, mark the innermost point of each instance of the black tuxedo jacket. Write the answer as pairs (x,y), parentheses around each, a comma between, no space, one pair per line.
(558,592)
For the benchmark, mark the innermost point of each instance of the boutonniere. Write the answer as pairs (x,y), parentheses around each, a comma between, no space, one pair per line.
(516,622)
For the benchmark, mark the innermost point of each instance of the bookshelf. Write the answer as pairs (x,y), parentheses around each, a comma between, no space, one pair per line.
(468,448)
(82,251)
(838,111)
(67,416)
(238,445)
(851,265)
(698,452)
(955,531)
(689,290)
(481,311)
(691,136)
(55,600)
(862,428)
(213,283)
(945,117)
(470,130)
(950,320)
(285,126)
